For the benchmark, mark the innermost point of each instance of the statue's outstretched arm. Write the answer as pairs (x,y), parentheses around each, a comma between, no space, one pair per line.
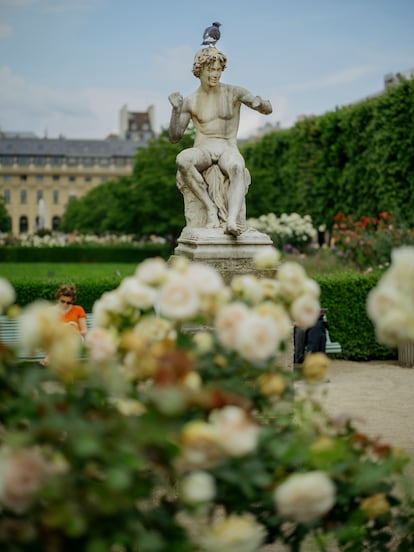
(180,117)
(255,102)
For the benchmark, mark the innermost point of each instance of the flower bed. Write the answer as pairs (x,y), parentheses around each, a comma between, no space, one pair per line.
(170,439)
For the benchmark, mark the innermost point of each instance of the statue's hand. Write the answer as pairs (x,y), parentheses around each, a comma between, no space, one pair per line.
(176,100)
(266,107)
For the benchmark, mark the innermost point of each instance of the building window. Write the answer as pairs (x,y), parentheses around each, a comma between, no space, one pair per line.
(104,179)
(72,161)
(72,178)
(120,161)
(23,177)
(6,177)
(55,223)
(39,160)
(7,160)
(39,195)
(104,162)
(23,160)
(23,225)
(23,197)
(87,161)
(39,177)
(55,197)
(88,179)
(6,196)
(56,160)
(55,177)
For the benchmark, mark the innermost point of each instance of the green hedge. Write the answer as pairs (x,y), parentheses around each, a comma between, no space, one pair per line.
(357,160)
(345,296)
(87,291)
(84,254)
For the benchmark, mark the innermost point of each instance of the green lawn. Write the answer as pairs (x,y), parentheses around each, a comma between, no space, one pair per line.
(64,271)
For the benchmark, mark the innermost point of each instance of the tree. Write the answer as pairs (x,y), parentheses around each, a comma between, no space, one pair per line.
(147,202)
(5,220)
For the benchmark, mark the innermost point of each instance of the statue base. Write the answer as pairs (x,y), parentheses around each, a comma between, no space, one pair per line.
(230,256)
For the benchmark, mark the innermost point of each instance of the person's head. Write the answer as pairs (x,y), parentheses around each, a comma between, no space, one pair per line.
(208,57)
(66,296)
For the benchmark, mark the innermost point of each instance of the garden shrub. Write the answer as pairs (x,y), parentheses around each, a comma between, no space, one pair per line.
(88,254)
(345,296)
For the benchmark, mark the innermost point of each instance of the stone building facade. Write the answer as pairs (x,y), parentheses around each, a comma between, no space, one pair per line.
(38,176)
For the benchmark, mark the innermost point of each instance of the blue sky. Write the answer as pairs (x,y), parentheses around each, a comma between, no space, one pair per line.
(68,66)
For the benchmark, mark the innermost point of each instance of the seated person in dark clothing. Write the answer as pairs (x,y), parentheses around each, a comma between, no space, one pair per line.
(316,335)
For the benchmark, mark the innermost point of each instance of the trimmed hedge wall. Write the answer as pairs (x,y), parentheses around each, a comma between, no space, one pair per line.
(345,296)
(87,291)
(85,254)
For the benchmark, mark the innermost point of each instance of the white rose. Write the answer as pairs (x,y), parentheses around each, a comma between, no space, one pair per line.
(304,497)
(236,433)
(257,338)
(152,272)
(177,299)
(233,534)
(227,323)
(37,324)
(101,345)
(7,294)
(197,487)
(137,294)
(205,279)
(267,257)
(292,278)
(248,288)
(305,310)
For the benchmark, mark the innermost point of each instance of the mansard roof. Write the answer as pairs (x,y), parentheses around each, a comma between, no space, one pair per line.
(68,147)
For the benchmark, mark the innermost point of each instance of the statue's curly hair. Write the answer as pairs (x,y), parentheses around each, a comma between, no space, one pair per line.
(206,56)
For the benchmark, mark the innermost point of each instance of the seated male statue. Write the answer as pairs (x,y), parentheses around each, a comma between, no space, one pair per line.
(213,170)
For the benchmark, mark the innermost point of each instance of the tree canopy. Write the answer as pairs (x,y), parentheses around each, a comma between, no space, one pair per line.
(357,160)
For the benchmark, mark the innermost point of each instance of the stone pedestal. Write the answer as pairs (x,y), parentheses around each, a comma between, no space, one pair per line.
(230,256)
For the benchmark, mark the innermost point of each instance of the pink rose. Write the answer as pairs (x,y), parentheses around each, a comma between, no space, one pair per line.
(22,474)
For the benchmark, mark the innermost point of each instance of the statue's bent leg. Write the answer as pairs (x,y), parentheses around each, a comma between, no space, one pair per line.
(234,168)
(189,164)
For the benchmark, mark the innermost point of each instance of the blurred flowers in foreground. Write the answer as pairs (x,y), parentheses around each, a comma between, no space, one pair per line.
(178,427)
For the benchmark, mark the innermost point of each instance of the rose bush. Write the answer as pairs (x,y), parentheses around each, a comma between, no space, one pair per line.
(179,428)
(367,242)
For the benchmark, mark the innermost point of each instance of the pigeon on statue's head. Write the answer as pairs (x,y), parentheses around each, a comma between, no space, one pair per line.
(211,34)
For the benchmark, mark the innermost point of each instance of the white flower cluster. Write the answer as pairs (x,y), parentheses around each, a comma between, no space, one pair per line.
(253,317)
(285,229)
(59,239)
(390,304)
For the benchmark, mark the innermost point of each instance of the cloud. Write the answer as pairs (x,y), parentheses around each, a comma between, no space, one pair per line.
(5,31)
(344,76)
(31,106)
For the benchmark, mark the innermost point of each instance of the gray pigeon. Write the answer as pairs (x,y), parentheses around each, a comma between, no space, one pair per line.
(211,34)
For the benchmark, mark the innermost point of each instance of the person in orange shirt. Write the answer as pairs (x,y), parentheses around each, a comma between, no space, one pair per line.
(71,314)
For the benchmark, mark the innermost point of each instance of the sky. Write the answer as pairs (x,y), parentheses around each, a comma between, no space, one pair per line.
(68,66)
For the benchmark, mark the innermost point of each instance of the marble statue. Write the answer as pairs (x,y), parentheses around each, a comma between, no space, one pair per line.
(212,175)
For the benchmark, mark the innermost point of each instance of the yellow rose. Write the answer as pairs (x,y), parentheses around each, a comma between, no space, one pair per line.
(315,366)
(272,384)
(375,506)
